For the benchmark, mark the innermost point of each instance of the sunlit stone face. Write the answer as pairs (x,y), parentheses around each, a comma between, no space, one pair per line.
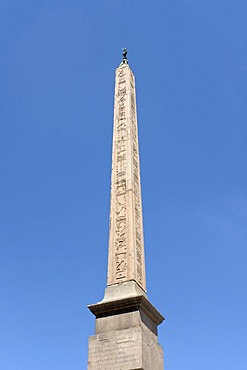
(126,246)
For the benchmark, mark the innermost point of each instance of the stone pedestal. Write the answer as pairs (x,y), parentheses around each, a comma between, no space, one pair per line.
(126,333)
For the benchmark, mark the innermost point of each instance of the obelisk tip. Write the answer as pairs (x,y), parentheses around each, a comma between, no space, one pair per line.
(124,54)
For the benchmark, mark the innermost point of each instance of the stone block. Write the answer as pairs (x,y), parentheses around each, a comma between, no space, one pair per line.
(135,348)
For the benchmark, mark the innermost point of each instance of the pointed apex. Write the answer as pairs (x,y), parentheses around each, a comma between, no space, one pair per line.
(124,54)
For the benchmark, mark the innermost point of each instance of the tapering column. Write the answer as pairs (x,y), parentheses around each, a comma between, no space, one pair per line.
(126,322)
(126,248)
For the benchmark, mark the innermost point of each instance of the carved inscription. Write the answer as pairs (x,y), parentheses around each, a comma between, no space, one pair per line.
(120,181)
(137,193)
(126,167)
(114,353)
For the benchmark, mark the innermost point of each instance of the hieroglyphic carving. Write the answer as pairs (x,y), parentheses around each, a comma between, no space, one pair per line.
(120,181)
(127,250)
(136,185)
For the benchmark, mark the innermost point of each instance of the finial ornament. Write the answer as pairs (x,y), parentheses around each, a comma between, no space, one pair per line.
(124,54)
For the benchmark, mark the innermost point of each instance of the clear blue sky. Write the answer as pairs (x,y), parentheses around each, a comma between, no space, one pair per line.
(57,61)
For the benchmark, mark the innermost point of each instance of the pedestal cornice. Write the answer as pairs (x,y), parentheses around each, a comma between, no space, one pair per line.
(125,305)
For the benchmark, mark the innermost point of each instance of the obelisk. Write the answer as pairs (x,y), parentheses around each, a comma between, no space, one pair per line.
(126,322)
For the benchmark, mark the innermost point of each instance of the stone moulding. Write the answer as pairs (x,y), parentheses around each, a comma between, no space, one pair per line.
(125,305)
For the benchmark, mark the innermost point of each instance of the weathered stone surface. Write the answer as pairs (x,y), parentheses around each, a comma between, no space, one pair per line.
(126,244)
(116,350)
(129,349)
(126,335)
(126,322)
(123,290)
(125,305)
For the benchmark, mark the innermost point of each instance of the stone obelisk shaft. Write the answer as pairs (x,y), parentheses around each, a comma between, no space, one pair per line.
(126,335)
(126,245)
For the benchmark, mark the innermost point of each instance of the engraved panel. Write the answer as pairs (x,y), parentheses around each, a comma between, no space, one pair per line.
(137,193)
(120,232)
(126,234)
(119,351)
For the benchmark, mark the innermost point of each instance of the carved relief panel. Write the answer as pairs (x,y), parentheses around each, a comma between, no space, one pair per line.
(125,170)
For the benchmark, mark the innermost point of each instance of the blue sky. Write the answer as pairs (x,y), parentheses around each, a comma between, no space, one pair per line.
(57,61)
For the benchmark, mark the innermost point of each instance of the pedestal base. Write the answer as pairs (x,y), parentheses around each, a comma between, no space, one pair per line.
(135,348)
(126,334)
